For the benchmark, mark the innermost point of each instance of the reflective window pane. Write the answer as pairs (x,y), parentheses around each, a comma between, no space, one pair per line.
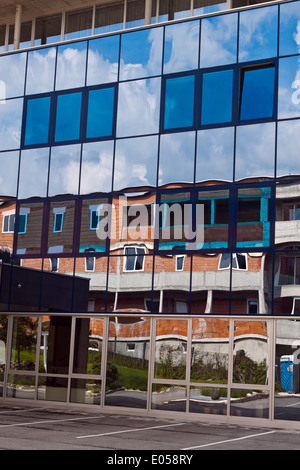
(289,28)
(71,65)
(253,217)
(96,167)
(288,88)
(33,173)
(64,170)
(138,107)
(61,227)
(8,181)
(141,54)
(103,59)
(170,352)
(216,222)
(37,121)
(12,75)
(40,71)
(215,154)
(176,57)
(176,158)
(94,229)
(136,162)
(127,362)
(255,151)
(218,40)
(179,102)
(100,114)
(24,339)
(258,34)
(217,97)
(257,93)
(30,238)
(288,142)
(11,119)
(68,117)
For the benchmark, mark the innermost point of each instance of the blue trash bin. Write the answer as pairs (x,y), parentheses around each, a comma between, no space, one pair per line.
(287,373)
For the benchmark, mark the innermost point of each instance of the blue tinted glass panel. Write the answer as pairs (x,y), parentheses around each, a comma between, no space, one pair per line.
(37,121)
(100,113)
(257,98)
(217,97)
(289,28)
(68,114)
(103,58)
(289,87)
(179,102)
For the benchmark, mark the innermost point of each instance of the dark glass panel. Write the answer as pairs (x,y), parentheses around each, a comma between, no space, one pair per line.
(257,93)
(179,102)
(68,116)
(217,97)
(37,121)
(100,114)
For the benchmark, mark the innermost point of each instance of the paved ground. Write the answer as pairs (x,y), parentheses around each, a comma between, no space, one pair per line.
(52,429)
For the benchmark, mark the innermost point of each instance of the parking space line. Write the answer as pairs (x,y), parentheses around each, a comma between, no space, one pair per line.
(51,421)
(130,430)
(229,440)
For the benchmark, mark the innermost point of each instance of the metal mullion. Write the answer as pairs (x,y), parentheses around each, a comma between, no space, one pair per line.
(151,362)
(71,357)
(230,363)
(104,359)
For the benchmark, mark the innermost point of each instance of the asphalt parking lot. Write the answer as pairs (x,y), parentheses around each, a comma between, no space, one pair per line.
(29,428)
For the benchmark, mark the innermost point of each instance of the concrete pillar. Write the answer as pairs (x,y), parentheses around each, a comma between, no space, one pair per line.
(148,11)
(18,21)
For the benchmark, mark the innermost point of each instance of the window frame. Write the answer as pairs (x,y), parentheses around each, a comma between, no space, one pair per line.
(5,216)
(136,255)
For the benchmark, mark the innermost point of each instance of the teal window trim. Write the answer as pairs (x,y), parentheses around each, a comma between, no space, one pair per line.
(22,225)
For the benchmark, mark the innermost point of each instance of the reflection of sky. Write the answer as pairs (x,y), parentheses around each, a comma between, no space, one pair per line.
(64,170)
(176,158)
(289,71)
(215,154)
(258,34)
(96,170)
(255,150)
(71,66)
(11,121)
(103,60)
(8,178)
(138,107)
(12,73)
(141,54)
(288,144)
(33,173)
(289,42)
(135,162)
(40,71)
(218,40)
(181,47)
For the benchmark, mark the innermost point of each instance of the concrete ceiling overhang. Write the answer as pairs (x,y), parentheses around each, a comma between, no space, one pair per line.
(36,8)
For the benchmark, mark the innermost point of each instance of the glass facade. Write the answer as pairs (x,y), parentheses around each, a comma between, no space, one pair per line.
(150,196)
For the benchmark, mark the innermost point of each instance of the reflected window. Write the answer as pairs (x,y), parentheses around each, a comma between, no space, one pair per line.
(289,271)
(90,260)
(22,223)
(179,102)
(217,99)
(68,117)
(8,223)
(100,114)
(134,259)
(58,222)
(237,260)
(257,93)
(37,121)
